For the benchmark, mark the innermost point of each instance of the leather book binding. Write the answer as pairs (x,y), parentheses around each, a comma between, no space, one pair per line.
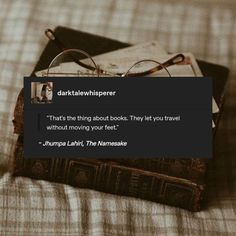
(176,182)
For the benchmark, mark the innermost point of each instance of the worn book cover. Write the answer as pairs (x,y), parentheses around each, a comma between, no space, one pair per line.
(177,182)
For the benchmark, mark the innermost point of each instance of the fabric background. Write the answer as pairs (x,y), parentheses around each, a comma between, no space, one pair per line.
(29,207)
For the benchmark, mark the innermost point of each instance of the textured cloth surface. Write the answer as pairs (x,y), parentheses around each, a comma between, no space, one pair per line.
(206,28)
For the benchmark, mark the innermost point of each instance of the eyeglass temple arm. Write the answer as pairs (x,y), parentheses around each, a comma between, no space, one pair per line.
(172,61)
(51,36)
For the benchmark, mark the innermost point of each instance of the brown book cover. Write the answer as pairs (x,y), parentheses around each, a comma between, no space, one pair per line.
(177,182)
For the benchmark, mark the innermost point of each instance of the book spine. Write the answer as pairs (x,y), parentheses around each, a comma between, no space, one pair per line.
(112,178)
(191,169)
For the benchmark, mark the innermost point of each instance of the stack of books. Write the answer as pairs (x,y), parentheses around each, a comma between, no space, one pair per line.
(176,182)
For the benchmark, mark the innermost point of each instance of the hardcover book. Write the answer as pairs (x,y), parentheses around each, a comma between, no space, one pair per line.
(176,182)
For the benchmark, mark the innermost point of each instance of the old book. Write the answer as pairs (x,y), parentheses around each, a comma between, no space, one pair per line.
(112,177)
(179,183)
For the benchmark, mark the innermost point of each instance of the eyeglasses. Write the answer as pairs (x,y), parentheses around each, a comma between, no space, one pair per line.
(88,66)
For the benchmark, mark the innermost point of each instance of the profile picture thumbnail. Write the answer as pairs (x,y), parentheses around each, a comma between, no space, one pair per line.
(41,92)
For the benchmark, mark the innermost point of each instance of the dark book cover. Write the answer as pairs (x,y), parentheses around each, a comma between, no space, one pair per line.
(177,182)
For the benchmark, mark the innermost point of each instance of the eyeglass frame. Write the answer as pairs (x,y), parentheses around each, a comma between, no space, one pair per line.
(172,61)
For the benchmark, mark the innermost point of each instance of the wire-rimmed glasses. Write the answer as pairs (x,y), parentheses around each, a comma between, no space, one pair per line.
(69,63)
